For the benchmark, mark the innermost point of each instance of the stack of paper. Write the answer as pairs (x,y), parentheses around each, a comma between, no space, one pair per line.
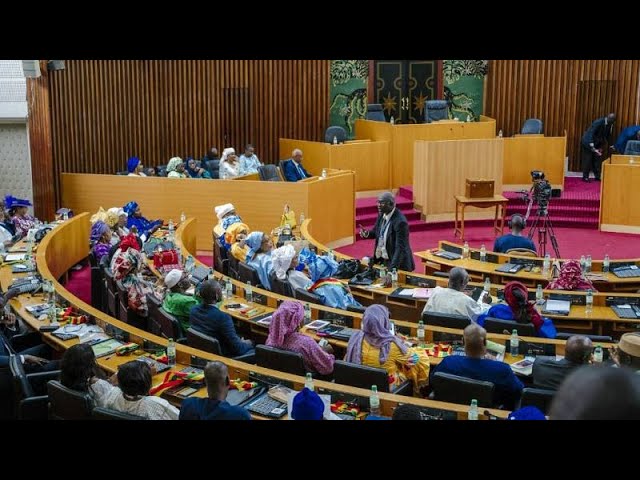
(422,292)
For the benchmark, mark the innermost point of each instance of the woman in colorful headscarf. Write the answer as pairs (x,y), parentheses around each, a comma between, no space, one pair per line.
(117,220)
(229,165)
(135,219)
(284,261)
(18,208)
(175,168)
(259,256)
(100,239)
(376,346)
(125,265)
(332,291)
(135,167)
(519,309)
(195,171)
(235,235)
(571,278)
(283,334)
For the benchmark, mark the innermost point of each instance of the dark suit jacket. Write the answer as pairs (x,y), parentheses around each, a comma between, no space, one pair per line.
(211,321)
(549,373)
(397,244)
(598,133)
(291,172)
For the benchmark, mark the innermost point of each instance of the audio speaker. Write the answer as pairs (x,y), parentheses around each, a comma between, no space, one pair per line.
(54,65)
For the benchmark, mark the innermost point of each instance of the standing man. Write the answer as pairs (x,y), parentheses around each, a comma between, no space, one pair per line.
(293,169)
(594,140)
(391,233)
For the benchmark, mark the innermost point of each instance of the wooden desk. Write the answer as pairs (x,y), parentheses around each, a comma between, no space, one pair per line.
(624,160)
(497,201)
(619,198)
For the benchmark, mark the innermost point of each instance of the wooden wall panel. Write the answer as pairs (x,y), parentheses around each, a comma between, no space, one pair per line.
(103,111)
(548,89)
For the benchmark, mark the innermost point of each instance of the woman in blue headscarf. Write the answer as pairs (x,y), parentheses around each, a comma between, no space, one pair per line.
(135,219)
(135,167)
(18,209)
(259,256)
(332,291)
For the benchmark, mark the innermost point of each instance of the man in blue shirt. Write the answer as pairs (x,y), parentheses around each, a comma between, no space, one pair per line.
(473,365)
(629,133)
(215,407)
(515,238)
(293,169)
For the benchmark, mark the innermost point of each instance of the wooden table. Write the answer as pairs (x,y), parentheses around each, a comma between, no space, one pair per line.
(497,200)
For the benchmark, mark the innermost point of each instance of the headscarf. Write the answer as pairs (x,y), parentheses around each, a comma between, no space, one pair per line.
(320,266)
(231,233)
(281,260)
(173,164)
(253,241)
(513,303)
(192,171)
(100,215)
(132,163)
(226,152)
(13,202)
(230,220)
(285,321)
(130,208)
(527,413)
(571,278)
(376,331)
(113,215)
(129,241)
(307,405)
(222,210)
(98,229)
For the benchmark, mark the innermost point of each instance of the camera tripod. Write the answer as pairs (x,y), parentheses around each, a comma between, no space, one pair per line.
(543,224)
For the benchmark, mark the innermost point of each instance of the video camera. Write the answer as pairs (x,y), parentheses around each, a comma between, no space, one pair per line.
(540,192)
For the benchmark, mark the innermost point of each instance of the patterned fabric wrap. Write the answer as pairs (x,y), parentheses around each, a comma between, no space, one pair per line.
(571,278)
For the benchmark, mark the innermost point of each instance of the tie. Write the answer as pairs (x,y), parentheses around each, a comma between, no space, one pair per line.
(302,175)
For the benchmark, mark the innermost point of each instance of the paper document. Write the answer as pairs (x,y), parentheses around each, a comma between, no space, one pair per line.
(560,306)
(407,292)
(523,367)
(422,292)
(12,257)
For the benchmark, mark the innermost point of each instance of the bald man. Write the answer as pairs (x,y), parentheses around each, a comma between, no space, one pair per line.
(391,234)
(549,373)
(473,365)
(453,301)
(293,169)
(593,144)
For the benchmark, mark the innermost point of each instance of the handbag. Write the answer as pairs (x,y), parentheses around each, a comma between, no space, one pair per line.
(364,278)
(347,268)
(165,257)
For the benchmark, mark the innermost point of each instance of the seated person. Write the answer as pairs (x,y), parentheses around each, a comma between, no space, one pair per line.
(195,171)
(406,411)
(307,405)
(285,264)
(227,216)
(175,168)
(473,365)
(549,373)
(126,263)
(6,221)
(101,239)
(519,309)
(629,133)
(211,161)
(293,169)
(145,228)
(229,165)
(150,172)
(208,319)
(176,302)
(6,235)
(627,353)
(571,278)
(135,167)
(132,394)
(332,292)
(515,239)
(117,220)
(259,256)
(376,346)
(283,334)
(249,162)
(215,406)
(235,236)
(79,371)
(18,208)
(453,301)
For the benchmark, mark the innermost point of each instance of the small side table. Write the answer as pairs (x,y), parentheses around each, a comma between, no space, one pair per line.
(497,201)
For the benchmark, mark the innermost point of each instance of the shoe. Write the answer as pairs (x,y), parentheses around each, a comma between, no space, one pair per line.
(586,180)
(597,179)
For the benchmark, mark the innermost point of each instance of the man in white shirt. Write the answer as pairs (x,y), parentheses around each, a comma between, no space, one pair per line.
(452,300)
(249,161)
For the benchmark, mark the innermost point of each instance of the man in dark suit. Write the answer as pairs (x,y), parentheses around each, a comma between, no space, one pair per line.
(550,373)
(594,140)
(391,233)
(293,169)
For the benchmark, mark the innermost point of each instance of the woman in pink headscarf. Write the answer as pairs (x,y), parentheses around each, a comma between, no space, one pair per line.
(283,334)
(376,346)
(571,278)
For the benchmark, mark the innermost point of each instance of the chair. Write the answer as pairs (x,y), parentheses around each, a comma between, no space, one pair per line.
(363,376)
(30,395)
(375,112)
(126,314)
(170,326)
(306,296)
(161,171)
(123,173)
(246,273)
(112,293)
(356,308)
(233,266)
(337,132)
(202,341)
(220,258)
(537,397)
(461,390)
(522,252)
(435,110)
(281,287)
(67,404)
(102,413)
(269,173)
(594,338)
(531,126)
(97,283)
(280,360)
(496,325)
(445,320)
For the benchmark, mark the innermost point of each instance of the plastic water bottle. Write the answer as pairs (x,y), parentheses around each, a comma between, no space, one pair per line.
(248,293)
(588,308)
(171,230)
(392,120)
(465,250)
(539,295)
(65,216)
(598,355)
(335,140)
(308,382)
(588,264)
(229,288)
(605,264)
(307,313)
(473,410)
(171,353)
(483,253)
(301,218)
(183,217)
(583,263)
(546,265)
(514,343)
(394,278)
(190,264)
(487,285)
(421,333)
(374,401)
(468,118)
(500,133)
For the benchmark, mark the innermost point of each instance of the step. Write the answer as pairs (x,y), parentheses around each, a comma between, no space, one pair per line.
(556,211)
(406,192)
(370,218)
(372,207)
